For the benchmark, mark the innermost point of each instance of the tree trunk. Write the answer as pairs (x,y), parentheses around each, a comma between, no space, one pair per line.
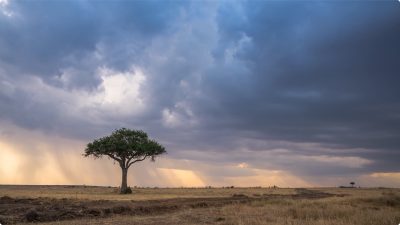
(124,184)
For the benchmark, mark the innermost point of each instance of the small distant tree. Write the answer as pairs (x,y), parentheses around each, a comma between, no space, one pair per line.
(126,147)
(352,183)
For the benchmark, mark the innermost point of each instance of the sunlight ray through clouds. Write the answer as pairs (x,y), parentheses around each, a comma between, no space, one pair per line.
(48,159)
(181,178)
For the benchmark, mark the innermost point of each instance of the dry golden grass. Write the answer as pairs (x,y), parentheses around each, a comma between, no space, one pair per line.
(330,211)
(356,207)
(105,193)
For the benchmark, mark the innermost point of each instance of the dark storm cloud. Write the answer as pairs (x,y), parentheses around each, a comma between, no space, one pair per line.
(45,37)
(227,77)
(322,73)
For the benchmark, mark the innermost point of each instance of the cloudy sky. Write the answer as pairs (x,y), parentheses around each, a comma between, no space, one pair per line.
(245,93)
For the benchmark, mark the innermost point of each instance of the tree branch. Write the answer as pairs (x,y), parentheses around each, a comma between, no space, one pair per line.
(130,158)
(113,157)
(137,160)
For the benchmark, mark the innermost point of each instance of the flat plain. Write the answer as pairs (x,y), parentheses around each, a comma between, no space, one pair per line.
(103,205)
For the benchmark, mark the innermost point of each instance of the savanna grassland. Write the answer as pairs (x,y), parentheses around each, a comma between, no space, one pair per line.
(81,205)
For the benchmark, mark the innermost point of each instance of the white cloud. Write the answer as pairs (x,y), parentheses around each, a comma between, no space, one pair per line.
(4,9)
(170,119)
(118,95)
(3,3)
(120,90)
(180,116)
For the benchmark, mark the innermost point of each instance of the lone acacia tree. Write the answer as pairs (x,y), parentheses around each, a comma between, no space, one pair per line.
(126,147)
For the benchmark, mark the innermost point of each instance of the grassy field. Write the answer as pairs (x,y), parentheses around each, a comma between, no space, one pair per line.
(101,205)
(111,193)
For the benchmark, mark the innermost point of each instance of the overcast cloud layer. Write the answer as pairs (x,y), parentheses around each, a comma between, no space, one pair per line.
(310,88)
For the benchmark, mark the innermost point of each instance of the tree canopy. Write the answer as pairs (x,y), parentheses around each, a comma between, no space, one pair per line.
(126,147)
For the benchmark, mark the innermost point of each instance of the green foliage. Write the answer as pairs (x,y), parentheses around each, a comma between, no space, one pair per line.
(125,146)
